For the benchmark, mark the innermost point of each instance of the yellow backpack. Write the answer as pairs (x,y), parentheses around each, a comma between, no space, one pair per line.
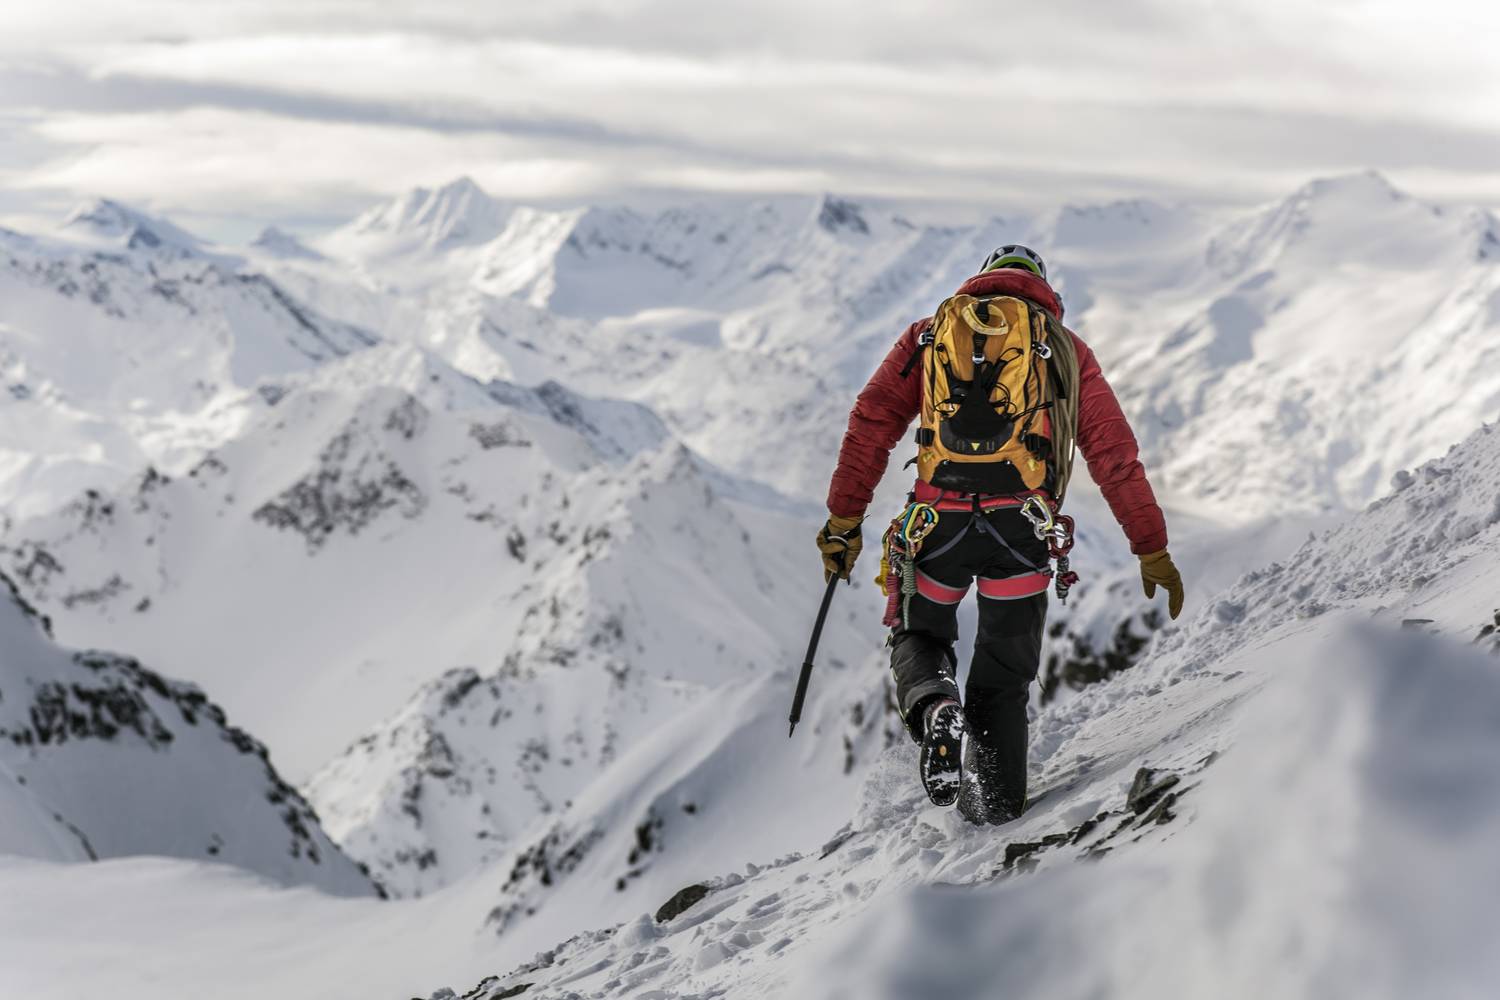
(992,405)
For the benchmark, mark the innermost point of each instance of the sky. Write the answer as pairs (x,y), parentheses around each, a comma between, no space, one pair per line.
(232,113)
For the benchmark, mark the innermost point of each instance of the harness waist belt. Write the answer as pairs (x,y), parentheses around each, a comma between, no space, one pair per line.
(1012,588)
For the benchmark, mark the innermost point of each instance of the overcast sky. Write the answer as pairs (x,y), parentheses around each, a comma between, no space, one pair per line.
(226,113)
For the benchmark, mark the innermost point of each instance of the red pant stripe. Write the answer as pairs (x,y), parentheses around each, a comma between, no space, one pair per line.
(939,593)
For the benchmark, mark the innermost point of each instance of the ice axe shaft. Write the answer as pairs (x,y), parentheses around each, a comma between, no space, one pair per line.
(812,649)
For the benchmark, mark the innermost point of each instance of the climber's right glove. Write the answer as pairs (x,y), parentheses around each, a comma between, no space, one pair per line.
(840,544)
(1157,570)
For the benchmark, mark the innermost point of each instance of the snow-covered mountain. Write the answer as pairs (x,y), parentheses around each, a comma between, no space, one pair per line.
(108,225)
(421,221)
(746,326)
(493,522)
(279,243)
(1349,332)
(520,558)
(399,492)
(115,359)
(100,758)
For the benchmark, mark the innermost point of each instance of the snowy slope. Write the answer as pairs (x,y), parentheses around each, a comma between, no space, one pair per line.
(1270,801)
(396,492)
(533,765)
(1349,332)
(100,758)
(121,349)
(433,798)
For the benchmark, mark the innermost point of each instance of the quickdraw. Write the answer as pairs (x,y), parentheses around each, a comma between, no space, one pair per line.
(898,560)
(1057,531)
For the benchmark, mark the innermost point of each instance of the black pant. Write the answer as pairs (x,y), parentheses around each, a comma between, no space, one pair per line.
(1001,550)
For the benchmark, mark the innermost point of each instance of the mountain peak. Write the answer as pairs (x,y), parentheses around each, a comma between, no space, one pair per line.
(111,222)
(462,185)
(1361,184)
(837,214)
(1358,216)
(460,212)
(280,243)
(1117,224)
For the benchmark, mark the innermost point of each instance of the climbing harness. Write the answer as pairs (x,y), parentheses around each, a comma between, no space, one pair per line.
(898,559)
(902,544)
(1057,531)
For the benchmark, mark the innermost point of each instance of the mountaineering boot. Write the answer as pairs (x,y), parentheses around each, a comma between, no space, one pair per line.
(942,750)
(985,796)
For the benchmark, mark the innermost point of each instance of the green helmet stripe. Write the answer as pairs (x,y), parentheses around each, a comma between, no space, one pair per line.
(1025,262)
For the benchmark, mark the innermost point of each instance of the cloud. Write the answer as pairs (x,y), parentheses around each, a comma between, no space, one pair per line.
(271,107)
(245,160)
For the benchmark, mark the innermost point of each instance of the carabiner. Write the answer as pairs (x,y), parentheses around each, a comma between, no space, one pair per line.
(1039,513)
(917,522)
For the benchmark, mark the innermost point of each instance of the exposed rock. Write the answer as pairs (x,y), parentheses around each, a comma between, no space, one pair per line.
(682,901)
(837,214)
(1149,786)
(1081,663)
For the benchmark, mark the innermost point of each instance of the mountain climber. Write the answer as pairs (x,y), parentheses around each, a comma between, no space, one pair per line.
(981,456)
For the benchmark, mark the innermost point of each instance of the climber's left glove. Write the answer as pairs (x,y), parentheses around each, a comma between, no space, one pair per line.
(1157,570)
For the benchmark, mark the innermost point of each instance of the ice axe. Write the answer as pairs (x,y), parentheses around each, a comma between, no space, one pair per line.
(812,649)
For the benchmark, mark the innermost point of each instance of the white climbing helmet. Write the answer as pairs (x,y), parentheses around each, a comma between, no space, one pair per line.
(1015,255)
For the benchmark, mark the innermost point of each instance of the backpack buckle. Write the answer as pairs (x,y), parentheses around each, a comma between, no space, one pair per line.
(1041,350)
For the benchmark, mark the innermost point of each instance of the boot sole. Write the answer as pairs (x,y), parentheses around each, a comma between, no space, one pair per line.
(942,757)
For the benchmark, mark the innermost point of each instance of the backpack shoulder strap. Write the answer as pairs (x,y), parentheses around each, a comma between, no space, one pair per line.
(923,339)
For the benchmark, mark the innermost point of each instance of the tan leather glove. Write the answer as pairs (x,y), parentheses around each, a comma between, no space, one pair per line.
(840,543)
(1157,570)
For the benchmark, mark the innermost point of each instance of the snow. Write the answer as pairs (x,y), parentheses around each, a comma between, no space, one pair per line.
(101,758)
(106,223)
(493,522)
(160,361)
(458,214)
(1309,781)
(143,927)
(1323,859)
(278,243)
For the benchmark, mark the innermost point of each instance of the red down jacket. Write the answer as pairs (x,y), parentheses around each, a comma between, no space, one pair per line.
(889,403)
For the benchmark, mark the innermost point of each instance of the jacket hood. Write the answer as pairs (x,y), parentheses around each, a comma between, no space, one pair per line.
(1014,281)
